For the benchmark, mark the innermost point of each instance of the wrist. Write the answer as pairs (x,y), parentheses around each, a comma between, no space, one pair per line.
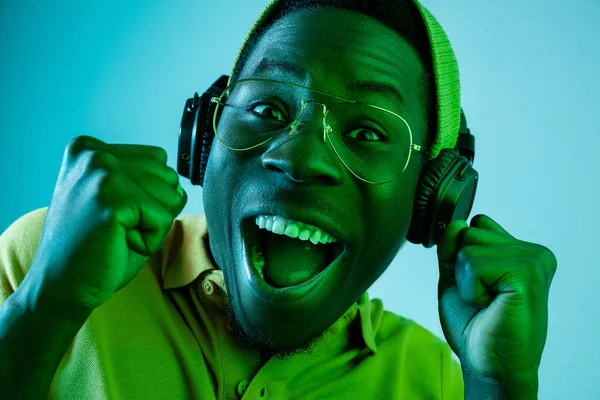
(35,296)
(516,387)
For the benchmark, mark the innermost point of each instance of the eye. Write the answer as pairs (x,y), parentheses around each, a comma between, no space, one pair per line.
(368,133)
(268,111)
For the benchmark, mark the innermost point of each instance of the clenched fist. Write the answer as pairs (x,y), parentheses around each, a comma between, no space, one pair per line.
(112,209)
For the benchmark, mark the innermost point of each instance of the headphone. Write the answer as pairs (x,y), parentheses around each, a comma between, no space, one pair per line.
(446,189)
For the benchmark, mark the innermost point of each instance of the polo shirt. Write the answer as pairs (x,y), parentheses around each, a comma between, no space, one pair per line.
(165,336)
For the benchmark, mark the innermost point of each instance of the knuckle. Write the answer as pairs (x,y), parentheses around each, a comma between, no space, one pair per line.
(173,210)
(117,212)
(174,176)
(549,258)
(467,292)
(552,259)
(468,271)
(78,143)
(109,214)
(535,277)
(546,257)
(160,154)
(164,224)
(100,159)
(176,210)
(463,254)
(168,223)
(107,190)
(467,235)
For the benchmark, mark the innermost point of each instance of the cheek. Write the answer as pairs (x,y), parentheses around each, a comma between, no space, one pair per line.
(398,200)
(219,200)
(216,165)
(221,173)
(216,192)
(391,217)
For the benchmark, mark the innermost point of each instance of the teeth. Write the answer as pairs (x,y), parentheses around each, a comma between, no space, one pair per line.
(316,236)
(293,229)
(262,222)
(304,234)
(278,226)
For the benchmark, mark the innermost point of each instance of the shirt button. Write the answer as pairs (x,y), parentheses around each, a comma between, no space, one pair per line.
(242,386)
(207,286)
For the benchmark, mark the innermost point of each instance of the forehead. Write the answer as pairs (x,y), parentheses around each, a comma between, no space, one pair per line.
(334,47)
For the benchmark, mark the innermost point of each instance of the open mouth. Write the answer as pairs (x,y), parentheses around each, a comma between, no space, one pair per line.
(261,250)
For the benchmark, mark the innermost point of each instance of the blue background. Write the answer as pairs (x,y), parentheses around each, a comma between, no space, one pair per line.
(121,71)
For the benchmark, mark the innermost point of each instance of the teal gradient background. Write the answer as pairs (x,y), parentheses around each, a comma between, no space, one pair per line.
(121,71)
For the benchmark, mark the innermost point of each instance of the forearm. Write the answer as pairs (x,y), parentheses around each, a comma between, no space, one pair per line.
(478,388)
(34,336)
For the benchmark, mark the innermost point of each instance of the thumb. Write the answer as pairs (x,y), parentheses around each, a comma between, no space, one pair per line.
(446,252)
(455,314)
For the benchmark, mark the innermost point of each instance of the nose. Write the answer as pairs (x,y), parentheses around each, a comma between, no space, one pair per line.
(308,114)
(303,154)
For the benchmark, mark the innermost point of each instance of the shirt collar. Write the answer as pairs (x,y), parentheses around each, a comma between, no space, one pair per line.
(185,255)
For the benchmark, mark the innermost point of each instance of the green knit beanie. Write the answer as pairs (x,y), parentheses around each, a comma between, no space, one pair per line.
(445,70)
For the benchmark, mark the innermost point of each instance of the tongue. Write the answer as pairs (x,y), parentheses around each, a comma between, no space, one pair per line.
(290,262)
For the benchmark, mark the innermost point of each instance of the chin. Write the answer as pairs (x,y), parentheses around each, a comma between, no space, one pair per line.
(268,342)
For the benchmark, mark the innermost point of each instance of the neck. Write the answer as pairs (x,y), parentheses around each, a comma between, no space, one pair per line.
(265,356)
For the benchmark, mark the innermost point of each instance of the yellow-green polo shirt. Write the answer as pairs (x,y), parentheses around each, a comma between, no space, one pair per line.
(165,336)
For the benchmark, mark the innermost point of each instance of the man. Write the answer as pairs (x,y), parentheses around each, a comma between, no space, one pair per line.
(241,305)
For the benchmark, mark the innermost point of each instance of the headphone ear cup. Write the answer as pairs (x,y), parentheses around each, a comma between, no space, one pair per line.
(434,171)
(196,133)
(204,123)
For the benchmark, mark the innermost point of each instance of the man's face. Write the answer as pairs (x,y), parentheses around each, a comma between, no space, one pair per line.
(301,175)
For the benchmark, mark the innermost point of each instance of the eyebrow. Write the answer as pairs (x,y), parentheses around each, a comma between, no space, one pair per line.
(269,64)
(385,89)
(376,87)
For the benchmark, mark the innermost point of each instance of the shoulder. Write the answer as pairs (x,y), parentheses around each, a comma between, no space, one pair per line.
(18,245)
(413,337)
(420,354)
